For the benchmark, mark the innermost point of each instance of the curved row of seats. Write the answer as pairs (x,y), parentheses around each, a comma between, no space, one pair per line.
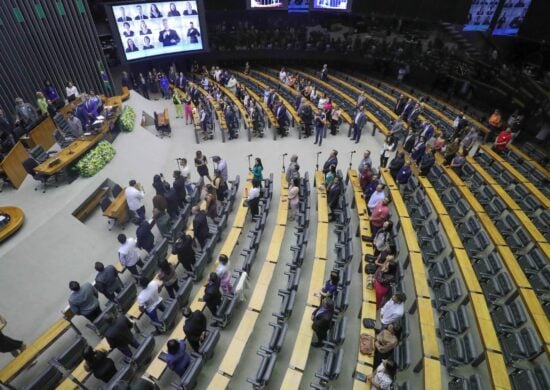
(196,119)
(214,107)
(242,110)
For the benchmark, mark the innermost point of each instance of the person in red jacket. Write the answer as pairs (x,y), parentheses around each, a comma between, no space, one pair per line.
(503,139)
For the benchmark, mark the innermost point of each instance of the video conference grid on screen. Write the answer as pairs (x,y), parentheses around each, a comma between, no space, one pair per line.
(332,4)
(511,17)
(480,15)
(157,28)
(268,4)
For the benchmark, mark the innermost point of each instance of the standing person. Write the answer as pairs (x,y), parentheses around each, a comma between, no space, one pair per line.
(186,173)
(324,72)
(201,163)
(409,141)
(427,162)
(396,164)
(188,112)
(365,162)
(219,185)
(72,91)
(451,150)
(128,254)
(176,99)
(495,124)
(194,327)
(378,196)
(469,141)
(291,167)
(380,214)
(221,165)
(383,278)
(99,364)
(149,300)
(257,170)
(358,125)
(134,198)
(404,174)
(212,295)
(322,320)
(319,123)
(223,272)
(418,150)
(179,187)
(387,148)
(83,300)
(169,277)
(200,226)
(332,160)
(144,236)
(7,344)
(382,377)
(160,185)
(193,34)
(75,125)
(400,104)
(254,198)
(393,309)
(294,198)
(107,280)
(183,248)
(119,334)
(177,359)
(502,140)
(211,202)
(439,143)
(333,196)
(51,93)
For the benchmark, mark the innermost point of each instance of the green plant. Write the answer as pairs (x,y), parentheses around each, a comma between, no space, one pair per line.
(96,159)
(128,119)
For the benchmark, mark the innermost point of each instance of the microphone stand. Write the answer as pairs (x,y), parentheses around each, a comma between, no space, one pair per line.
(249,166)
(317,163)
(350,164)
(284,169)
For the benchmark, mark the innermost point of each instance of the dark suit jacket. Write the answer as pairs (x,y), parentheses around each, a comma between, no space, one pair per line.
(200,225)
(179,187)
(120,332)
(106,280)
(331,161)
(321,322)
(409,143)
(144,236)
(195,325)
(172,34)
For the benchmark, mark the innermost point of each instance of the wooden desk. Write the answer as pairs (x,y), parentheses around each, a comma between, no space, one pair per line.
(317,281)
(432,374)
(398,203)
(450,230)
(76,149)
(485,323)
(410,235)
(321,242)
(282,211)
(498,371)
(275,245)
(262,286)
(420,278)
(118,209)
(436,201)
(219,381)
(291,380)
(235,349)
(43,134)
(300,353)
(365,370)
(17,217)
(467,271)
(12,165)
(231,241)
(19,363)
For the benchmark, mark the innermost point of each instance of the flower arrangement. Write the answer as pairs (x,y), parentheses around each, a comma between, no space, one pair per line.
(128,119)
(96,159)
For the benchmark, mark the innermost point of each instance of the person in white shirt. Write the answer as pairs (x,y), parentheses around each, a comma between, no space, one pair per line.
(232,84)
(134,198)
(149,300)
(382,377)
(393,310)
(186,173)
(376,197)
(223,272)
(128,254)
(282,75)
(71,90)
(221,165)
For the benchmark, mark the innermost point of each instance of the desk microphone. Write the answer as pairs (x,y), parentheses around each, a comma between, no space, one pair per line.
(249,155)
(353,151)
(318,153)
(285,154)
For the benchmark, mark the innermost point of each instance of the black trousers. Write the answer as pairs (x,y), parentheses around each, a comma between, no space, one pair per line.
(94,314)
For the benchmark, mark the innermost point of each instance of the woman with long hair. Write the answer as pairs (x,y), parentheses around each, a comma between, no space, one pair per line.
(201,165)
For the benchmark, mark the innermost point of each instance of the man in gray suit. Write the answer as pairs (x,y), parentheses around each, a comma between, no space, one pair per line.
(358,123)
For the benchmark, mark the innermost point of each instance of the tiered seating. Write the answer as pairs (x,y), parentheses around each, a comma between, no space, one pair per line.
(300,352)
(535,155)
(451,323)
(196,119)
(238,343)
(501,285)
(368,307)
(217,109)
(243,112)
(430,350)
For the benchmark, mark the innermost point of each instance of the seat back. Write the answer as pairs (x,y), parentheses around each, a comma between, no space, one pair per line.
(184,291)
(144,353)
(126,297)
(48,379)
(99,324)
(121,380)
(168,318)
(206,349)
(189,379)
(277,336)
(149,268)
(161,249)
(72,355)
(29,165)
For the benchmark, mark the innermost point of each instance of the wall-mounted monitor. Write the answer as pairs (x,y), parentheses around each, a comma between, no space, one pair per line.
(267,4)
(511,17)
(481,15)
(150,29)
(332,5)
(298,6)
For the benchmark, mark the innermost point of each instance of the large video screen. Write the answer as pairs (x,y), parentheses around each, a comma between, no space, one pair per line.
(332,5)
(480,15)
(268,4)
(298,6)
(511,17)
(156,28)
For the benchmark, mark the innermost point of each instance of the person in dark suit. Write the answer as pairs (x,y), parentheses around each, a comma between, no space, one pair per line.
(172,203)
(324,72)
(140,15)
(167,36)
(177,359)
(107,281)
(183,248)
(282,119)
(123,17)
(144,236)
(427,162)
(409,142)
(179,187)
(119,334)
(194,327)
(322,319)
(193,33)
(409,107)
(400,105)
(358,124)
(200,226)
(212,294)
(333,194)
(332,160)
